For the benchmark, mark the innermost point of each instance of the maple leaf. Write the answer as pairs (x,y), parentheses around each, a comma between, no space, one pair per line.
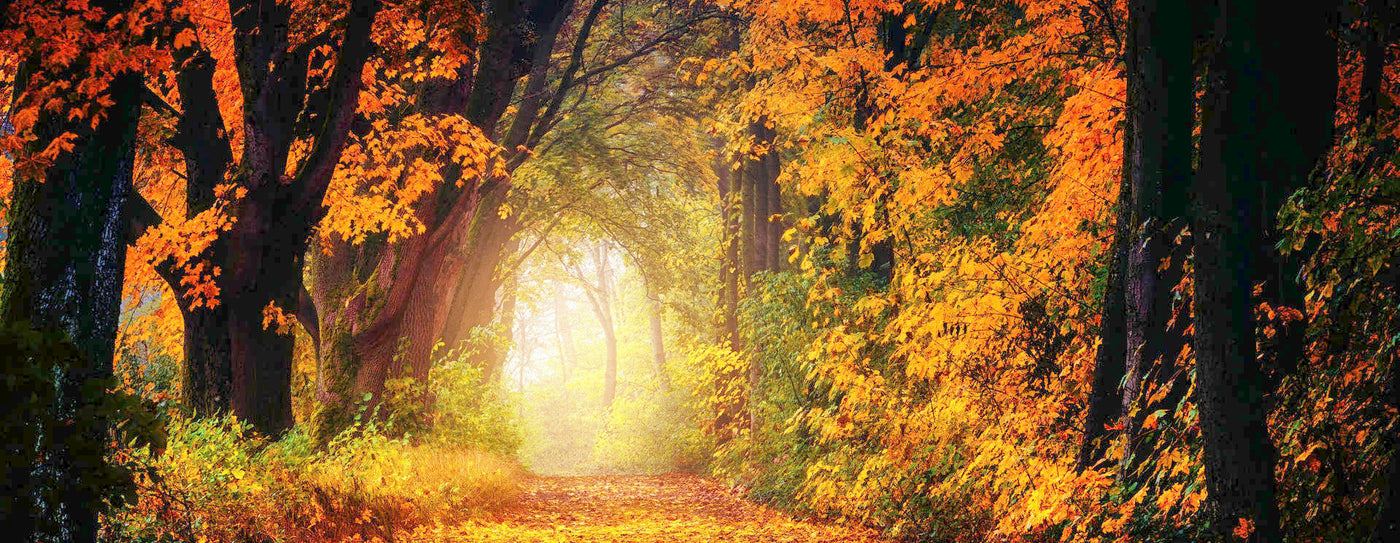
(1244,529)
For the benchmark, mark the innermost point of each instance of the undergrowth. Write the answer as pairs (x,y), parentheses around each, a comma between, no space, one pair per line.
(218,482)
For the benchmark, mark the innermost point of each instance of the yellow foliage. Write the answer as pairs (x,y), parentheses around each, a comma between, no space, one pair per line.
(217,483)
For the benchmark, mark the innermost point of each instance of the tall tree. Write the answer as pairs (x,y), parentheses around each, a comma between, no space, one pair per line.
(601,298)
(1230,383)
(1380,33)
(1158,162)
(386,307)
(231,350)
(66,236)
(1105,397)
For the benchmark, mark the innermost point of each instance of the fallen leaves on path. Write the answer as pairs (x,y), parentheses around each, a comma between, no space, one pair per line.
(671,508)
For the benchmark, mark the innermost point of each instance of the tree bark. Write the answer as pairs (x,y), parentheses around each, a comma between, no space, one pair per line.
(233,361)
(731,223)
(490,240)
(757,169)
(773,166)
(1379,22)
(273,222)
(440,285)
(207,373)
(1230,386)
(1159,171)
(745,177)
(64,267)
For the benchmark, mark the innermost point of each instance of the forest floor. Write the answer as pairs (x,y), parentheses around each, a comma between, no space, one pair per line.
(669,508)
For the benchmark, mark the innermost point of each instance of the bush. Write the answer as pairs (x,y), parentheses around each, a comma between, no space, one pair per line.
(467,410)
(217,482)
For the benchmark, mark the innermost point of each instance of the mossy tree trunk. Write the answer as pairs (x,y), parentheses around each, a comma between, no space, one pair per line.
(67,237)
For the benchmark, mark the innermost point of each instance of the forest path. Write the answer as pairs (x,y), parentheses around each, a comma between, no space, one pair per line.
(669,508)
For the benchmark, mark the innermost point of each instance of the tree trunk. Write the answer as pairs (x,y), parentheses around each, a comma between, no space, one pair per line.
(207,373)
(440,285)
(600,296)
(1380,16)
(269,237)
(776,228)
(265,268)
(746,178)
(232,360)
(489,241)
(1159,171)
(64,268)
(759,186)
(1300,71)
(658,348)
(1230,385)
(380,323)
(729,267)
(568,354)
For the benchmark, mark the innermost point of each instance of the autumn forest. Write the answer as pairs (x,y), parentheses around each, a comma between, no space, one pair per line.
(420,271)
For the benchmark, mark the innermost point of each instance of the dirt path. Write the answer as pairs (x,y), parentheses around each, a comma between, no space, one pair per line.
(669,508)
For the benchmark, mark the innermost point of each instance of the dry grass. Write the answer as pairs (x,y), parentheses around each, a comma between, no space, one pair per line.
(400,488)
(216,485)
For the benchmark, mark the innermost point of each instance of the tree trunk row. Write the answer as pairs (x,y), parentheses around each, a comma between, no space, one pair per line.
(1266,120)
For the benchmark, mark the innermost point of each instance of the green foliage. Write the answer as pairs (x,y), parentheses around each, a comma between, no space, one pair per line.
(54,437)
(779,327)
(218,482)
(560,428)
(468,410)
(650,434)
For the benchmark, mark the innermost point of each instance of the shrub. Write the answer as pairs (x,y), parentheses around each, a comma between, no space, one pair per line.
(218,482)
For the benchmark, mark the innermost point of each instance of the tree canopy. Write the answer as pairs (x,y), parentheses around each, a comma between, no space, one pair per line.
(977,270)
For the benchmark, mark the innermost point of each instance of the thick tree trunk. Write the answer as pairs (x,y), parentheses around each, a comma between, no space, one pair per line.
(440,285)
(1231,388)
(64,268)
(207,373)
(269,237)
(265,268)
(1159,171)
(232,360)
(489,242)
(378,323)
